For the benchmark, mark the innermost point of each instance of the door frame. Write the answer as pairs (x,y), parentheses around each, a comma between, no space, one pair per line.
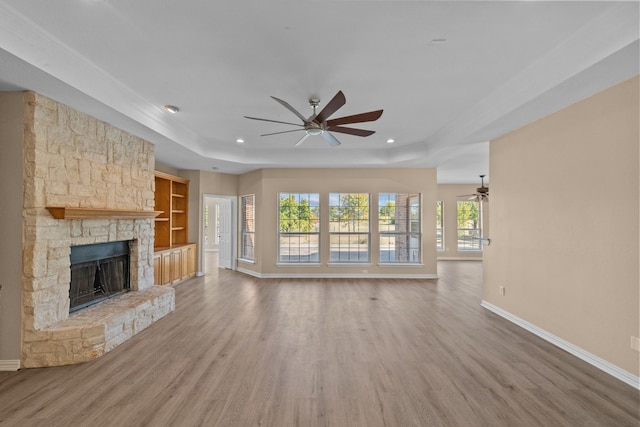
(234,228)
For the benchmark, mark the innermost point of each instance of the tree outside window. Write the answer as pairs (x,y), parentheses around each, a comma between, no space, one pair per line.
(468,226)
(439,227)
(349,227)
(299,227)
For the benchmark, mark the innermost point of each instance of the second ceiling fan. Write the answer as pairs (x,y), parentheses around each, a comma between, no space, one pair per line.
(319,124)
(481,194)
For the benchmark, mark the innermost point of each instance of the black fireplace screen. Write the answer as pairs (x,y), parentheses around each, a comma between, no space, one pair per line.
(98,272)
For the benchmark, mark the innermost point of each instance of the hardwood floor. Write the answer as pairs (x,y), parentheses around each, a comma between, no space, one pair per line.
(240,351)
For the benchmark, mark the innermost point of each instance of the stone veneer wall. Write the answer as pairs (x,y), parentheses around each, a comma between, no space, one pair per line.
(73,160)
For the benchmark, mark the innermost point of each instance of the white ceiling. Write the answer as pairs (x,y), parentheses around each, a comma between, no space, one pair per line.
(504,64)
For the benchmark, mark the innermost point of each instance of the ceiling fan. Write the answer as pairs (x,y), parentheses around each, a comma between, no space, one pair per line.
(481,194)
(318,124)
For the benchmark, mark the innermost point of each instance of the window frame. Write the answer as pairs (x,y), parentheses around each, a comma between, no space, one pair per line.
(440,226)
(476,245)
(309,234)
(413,220)
(349,235)
(245,233)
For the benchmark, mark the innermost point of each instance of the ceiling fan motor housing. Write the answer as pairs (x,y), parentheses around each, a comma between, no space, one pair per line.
(313,128)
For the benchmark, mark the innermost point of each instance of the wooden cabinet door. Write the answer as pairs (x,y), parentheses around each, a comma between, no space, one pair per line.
(184,260)
(191,262)
(157,269)
(166,268)
(176,265)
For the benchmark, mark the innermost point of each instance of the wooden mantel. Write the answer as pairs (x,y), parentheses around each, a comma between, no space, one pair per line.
(98,213)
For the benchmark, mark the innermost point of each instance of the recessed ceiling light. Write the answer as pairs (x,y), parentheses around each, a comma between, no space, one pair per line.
(240,141)
(390,141)
(171,108)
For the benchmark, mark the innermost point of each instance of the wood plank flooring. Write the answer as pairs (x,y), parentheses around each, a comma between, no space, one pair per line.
(240,351)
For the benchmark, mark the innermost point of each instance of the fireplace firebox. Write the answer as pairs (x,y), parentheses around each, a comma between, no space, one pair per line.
(98,271)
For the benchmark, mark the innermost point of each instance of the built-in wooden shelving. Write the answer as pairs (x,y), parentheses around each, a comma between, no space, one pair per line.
(172,198)
(174,259)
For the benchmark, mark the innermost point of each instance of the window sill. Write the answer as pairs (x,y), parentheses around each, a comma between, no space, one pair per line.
(401,264)
(349,264)
(298,264)
(246,261)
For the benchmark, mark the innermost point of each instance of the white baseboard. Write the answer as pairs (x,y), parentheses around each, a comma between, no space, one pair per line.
(9,365)
(249,272)
(592,359)
(335,275)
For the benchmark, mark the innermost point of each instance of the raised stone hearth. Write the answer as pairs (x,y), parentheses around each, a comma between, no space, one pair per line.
(73,160)
(89,333)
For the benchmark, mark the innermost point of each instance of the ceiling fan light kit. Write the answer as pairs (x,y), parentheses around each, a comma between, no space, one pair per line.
(481,194)
(313,129)
(319,124)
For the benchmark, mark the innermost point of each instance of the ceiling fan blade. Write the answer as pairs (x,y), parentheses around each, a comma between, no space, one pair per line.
(306,135)
(336,102)
(273,121)
(331,139)
(277,133)
(371,116)
(290,108)
(351,131)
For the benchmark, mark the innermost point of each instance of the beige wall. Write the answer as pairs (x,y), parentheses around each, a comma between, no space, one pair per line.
(267,183)
(11,189)
(564,224)
(449,194)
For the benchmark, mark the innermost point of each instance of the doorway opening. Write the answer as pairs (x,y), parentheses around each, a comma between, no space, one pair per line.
(218,228)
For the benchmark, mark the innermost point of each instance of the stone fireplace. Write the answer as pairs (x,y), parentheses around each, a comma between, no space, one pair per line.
(74,161)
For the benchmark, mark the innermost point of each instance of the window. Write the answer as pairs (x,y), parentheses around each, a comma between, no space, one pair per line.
(299,227)
(399,227)
(468,226)
(439,227)
(247,221)
(349,227)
